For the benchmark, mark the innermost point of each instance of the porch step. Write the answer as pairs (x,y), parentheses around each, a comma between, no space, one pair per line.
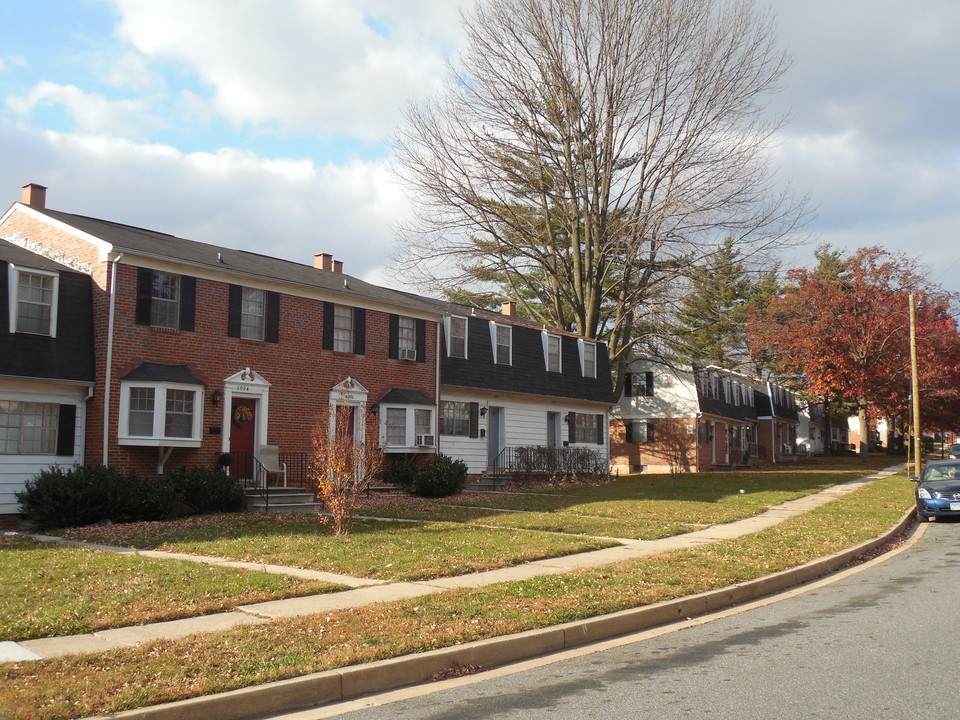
(282,500)
(487,482)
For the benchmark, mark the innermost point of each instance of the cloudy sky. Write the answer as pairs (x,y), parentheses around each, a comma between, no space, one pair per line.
(261,124)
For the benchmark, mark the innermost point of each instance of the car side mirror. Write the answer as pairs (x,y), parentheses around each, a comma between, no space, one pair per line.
(915,479)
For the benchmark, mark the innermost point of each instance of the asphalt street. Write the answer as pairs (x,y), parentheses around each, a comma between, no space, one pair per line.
(879,642)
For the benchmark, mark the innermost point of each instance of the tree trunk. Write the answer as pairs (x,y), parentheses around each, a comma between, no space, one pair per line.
(864,449)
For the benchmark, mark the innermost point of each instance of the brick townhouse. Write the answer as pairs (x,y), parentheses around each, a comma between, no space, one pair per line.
(201,350)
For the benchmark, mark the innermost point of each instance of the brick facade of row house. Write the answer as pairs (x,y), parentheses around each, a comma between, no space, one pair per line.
(697,418)
(187,334)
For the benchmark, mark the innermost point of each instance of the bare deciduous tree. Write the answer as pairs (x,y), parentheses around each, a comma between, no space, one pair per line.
(341,468)
(586,152)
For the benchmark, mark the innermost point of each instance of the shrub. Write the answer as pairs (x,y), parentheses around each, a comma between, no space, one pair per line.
(84,495)
(400,470)
(203,491)
(439,476)
(65,497)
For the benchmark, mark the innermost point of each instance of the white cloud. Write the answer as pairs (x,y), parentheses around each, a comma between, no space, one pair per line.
(280,207)
(338,68)
(92,112)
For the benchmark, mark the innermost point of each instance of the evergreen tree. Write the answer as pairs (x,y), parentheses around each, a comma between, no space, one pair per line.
(710,326)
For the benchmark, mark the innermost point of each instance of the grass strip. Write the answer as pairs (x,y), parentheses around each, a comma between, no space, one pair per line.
(170,670)
(51,590)
(373,549)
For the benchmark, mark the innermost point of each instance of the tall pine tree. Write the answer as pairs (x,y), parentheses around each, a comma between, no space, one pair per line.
(710,325)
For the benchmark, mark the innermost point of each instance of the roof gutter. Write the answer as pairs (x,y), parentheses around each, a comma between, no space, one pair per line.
(108,373)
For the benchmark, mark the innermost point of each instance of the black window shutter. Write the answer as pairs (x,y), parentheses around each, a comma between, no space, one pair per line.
(233,311)
(572,427)
(474,419)
(359,331)
(393,350)
(66,430)
(629,428)
(628,385)
(648,390)
(144,295)
(328,326)
(421,340)
(600,430)
(650,435)
(272,329)
(188,302)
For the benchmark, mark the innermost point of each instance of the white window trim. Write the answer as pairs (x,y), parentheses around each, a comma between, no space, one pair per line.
(159,416)
(581,345)
(448,336)
(493,339)
(13,285)
(546,338)
(410,442)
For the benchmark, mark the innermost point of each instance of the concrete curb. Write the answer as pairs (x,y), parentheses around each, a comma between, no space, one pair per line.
(316,689)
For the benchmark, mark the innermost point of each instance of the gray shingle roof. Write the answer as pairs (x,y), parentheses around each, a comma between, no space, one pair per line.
(154,244)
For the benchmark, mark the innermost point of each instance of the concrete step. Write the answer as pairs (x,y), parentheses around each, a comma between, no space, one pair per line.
(282,500)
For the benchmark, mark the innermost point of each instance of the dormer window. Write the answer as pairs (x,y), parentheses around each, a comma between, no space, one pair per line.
(33,301)
(457,336)
(502,336)
(588,359)
(551,350)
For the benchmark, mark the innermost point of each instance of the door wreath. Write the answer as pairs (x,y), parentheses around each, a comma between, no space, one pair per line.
(242,415)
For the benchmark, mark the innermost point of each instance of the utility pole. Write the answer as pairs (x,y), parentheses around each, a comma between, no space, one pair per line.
(915,386)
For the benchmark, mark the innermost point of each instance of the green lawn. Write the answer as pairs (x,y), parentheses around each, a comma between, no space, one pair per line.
(51,590)
(169,670)
(373,549)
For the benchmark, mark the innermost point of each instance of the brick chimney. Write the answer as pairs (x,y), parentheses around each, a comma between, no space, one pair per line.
(509,308)
(34,195)
(323,261)
(338,266)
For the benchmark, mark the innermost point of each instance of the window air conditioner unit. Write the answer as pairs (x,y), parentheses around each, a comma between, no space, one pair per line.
(425,440)
(406,354)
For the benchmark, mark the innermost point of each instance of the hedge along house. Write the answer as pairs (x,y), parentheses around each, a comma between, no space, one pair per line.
(518,396)
(46,368)
(202,350)
(683,419)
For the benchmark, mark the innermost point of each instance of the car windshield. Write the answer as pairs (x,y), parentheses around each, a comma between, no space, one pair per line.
(941,472)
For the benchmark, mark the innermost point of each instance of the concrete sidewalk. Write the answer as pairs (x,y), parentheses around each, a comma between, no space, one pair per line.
(365,591)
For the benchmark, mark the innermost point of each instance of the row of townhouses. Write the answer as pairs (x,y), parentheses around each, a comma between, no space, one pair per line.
(145,351)
(138,349)
(696,418)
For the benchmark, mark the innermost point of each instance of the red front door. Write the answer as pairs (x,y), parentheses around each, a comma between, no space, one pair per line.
(243,428)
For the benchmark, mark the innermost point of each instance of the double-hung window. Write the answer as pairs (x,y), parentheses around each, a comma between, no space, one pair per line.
(161,414)
(457,336)
(408,427)
(343,328)
(165,300)
(33,301)
(588,359)
(253,313)
(552,350)
(454,418)
(407,338)
(502,335)
(28,428)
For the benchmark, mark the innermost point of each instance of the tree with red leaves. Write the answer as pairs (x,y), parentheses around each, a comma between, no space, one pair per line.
(843,329)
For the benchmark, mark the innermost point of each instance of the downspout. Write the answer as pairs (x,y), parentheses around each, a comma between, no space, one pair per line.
(86,414)
(773,424)
(436,394)
(108,372)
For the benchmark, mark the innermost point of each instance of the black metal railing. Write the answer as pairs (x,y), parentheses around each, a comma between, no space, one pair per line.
(534,460)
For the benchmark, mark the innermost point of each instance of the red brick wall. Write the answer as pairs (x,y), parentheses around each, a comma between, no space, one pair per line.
(625,456)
